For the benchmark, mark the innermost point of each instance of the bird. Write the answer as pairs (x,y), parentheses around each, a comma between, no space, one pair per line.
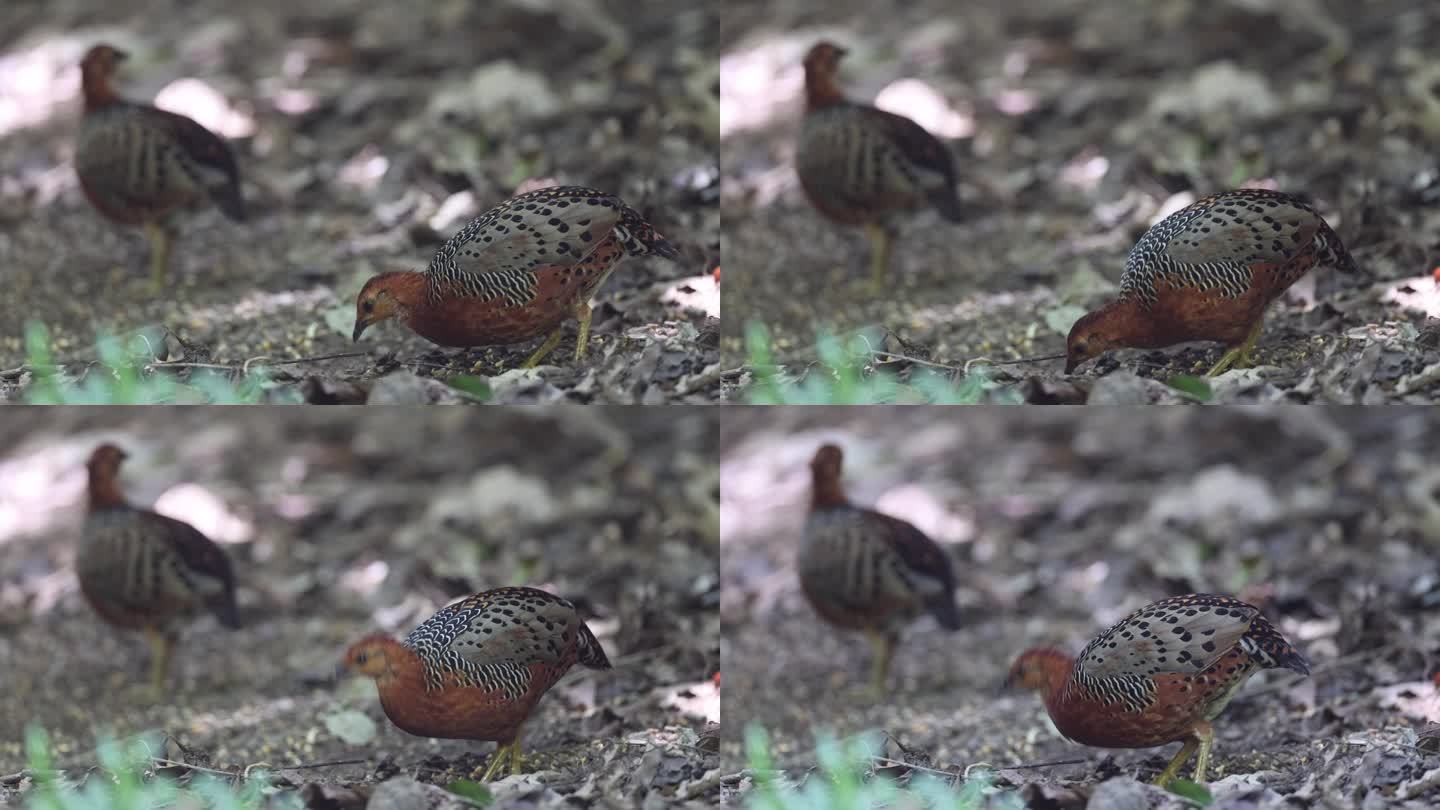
(476,669)
(139,165)
(863,570)
(144,571)
(1208,272)
(859,165)
(1160,675)
(516,272)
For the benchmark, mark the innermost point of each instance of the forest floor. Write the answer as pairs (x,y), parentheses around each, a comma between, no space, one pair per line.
(367,134)
(1059,525)
(1076,125)
(340,527)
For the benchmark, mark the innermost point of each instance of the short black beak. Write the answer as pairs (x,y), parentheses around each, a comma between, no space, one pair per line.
(1070,365)
(360,327)
(340,673)
(121,56)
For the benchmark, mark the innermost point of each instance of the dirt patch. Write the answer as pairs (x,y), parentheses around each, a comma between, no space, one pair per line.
(367,134)
(1075,125)
(344,526)
(1060,525)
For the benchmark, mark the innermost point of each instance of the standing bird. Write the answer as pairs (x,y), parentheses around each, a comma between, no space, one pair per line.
(1158,676)
(143,571)
(860,165)
(138,164)
(1208,272)
(476,669)
(516,272)
(862,570)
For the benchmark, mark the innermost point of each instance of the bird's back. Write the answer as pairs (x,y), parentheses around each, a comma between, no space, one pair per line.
(136,163)
(861,568)
(142,569)
(517,641)
(1228,243)
(861,164)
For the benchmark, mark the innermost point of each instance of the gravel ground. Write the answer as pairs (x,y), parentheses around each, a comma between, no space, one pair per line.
(367,133)
(1075,125)
(1062,523)
(339,527)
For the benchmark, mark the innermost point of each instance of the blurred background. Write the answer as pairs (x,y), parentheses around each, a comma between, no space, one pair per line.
(1075,125)
(367,133)
(370,521)
(1059,525)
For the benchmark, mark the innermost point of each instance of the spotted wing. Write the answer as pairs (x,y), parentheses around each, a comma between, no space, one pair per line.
(1248,227)
(1182,635)
(557,226)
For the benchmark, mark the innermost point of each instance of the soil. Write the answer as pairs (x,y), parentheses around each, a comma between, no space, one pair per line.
(1059,524)
(346,526)
(1075,125)
(367,133)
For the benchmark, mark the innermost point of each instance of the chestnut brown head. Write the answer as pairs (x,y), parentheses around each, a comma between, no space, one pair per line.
(823,58)
(1041,669)
(96,70)
(102,61)
(386,296)
(375,656)
(1090,337)
(105,461)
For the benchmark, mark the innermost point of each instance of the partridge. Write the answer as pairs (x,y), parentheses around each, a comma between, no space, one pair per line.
(860,165)
(139,165)
(144,571)
(1160,675)
(477,668)
(516,272)
(1208,272)
(862,570)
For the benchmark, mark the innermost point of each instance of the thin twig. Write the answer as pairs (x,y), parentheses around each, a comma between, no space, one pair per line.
(908,359)
(187,364)
(889,761)
(309,765)
(170,763)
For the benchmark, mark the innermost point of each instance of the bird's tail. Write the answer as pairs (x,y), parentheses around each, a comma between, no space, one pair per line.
(223,606)
(945,611)
(1332,250)
(1265,644)
(592,654)
(948,204)
(639,238)
(228,199)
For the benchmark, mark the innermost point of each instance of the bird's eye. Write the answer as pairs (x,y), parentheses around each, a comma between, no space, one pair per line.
(362,657)
(368,306)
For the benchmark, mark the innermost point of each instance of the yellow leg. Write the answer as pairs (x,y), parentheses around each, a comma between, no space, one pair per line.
(1239,357)
(505,753)
(545,348)
(582,341)
(1207,738)
(879,254)
(159,254)
(1204,737)
(884,645)
(161,646)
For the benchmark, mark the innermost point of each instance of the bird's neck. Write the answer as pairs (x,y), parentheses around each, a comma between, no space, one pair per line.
(821,91)
(404,671)
(1055,667)
(97,90)
(104,491)
(409,289)
(827,493)
(1129,325)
